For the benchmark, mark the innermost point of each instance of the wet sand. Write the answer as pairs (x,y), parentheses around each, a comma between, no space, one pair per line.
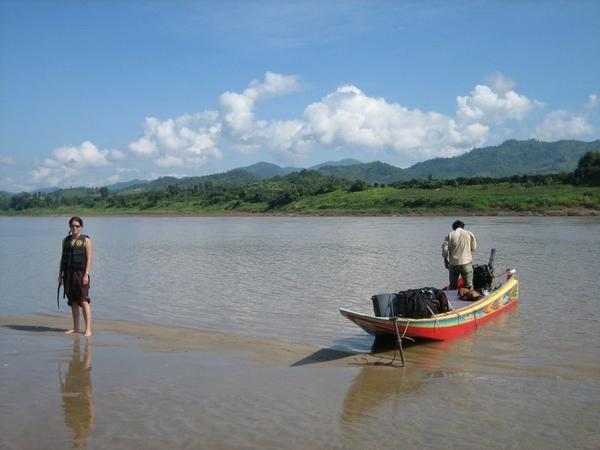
(136,385)
(164,338)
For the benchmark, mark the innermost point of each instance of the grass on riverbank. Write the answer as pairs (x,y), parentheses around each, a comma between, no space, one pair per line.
(501,198)
(483,199)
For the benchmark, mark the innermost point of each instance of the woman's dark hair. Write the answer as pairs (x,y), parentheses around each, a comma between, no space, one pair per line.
(455,225)
(78,219)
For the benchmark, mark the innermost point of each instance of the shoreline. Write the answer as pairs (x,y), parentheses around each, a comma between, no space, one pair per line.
(565,212)
(174,338)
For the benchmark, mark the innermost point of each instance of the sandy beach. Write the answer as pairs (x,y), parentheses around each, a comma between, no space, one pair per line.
(135,385)
(164,338)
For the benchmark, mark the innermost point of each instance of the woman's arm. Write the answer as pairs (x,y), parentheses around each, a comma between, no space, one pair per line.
(89,252)
(60,266)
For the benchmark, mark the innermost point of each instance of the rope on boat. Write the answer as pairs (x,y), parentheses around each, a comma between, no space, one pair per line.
(399,342)
(436,323)
(397,349)
(432,315)
(460,316)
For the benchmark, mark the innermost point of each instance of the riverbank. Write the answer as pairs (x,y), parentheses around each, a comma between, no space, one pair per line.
(502,199)
(564,212)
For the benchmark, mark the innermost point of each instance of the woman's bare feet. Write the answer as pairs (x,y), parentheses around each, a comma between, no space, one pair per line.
(88,333)
(71,331)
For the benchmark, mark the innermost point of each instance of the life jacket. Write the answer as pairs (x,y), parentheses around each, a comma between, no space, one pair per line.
(74,257)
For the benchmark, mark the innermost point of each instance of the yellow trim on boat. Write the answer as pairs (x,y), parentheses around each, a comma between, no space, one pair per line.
(478,305)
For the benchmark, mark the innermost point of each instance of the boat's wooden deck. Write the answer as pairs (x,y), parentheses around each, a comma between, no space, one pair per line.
(455,301)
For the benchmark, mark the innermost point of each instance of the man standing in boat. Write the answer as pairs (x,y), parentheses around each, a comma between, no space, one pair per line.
(456,250)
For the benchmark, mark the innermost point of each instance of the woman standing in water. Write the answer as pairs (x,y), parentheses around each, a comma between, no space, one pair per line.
(74,273)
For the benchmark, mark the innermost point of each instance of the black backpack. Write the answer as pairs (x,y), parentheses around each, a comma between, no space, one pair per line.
(419,303)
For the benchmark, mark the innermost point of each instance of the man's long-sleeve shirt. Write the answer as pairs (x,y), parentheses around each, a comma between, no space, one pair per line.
(457,247)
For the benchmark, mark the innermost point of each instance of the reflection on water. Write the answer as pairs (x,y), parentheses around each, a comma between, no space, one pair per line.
(373,386)
(376,384)
(76,390)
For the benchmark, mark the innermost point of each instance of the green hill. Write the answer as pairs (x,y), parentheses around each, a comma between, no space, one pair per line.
(373,172)
(263,170)
(126,185)
(343,162)
(510,158)
(235,176)
(255,172)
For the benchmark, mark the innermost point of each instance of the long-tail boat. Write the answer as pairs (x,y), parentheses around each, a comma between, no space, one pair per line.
(463,316)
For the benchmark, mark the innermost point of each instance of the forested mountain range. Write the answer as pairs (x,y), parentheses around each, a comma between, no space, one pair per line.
(315,191)
(342,163)
(235,176)
(256,172)
(512,157)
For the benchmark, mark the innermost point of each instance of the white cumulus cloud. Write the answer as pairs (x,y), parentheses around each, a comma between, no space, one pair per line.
(488,106)
(193,139)
(237,110)
(561,125)
(69,163)
(349,118)
(288,140)
(85,155)
(344,119)
(190,139)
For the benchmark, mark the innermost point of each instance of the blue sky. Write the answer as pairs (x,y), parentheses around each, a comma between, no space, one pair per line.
(97,92)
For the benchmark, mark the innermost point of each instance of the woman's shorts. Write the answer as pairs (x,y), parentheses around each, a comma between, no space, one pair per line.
(74,288)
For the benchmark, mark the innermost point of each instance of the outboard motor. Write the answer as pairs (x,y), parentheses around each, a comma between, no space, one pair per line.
(483,274)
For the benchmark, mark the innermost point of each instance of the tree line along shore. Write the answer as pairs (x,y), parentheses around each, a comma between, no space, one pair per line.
(311,192)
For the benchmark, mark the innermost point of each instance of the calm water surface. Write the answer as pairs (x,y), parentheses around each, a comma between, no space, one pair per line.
(532,377)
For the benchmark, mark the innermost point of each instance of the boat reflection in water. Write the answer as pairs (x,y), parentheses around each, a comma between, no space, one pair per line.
(76,390)
(377,384)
